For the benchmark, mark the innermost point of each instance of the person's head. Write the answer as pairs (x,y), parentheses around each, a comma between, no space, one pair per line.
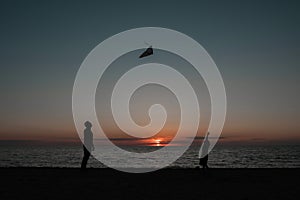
(88,124)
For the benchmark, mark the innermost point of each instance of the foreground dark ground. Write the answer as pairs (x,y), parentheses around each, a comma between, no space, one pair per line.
(55,183)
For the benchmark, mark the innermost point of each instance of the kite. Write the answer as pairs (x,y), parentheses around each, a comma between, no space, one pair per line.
(147,52)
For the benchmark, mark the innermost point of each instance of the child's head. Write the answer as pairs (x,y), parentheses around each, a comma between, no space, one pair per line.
(88,124)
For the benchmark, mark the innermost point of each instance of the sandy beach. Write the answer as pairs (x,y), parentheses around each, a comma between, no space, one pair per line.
(63,183)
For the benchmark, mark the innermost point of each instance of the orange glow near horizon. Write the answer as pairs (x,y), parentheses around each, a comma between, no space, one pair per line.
(157,141)
(237,136)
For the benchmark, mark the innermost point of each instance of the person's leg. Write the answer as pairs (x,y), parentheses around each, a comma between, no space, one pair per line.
(203,167)
(84,162)
(205,162)
(85,158)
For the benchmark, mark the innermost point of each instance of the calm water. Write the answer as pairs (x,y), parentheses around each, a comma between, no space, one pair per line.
(222,156)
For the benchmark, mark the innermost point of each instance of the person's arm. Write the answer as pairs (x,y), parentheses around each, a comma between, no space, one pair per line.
(93,147)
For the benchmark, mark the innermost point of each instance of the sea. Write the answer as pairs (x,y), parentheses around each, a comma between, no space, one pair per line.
(20,154)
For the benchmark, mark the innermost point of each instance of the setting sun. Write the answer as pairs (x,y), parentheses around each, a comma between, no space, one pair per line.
(157,142)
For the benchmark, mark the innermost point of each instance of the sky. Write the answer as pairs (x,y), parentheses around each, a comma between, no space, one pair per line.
(254,44)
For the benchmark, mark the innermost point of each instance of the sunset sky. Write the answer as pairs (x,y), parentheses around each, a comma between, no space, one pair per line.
(256,46)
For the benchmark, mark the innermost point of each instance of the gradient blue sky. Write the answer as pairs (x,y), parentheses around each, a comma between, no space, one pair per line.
(255,45)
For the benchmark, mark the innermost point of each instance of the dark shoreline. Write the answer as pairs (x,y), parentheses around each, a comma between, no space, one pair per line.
(71,183)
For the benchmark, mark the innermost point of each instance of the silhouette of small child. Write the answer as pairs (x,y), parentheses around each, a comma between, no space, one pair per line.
(88,145)
(204,153)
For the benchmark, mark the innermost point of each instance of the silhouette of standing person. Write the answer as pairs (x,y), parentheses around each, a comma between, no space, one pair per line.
(88,145)
(204,153)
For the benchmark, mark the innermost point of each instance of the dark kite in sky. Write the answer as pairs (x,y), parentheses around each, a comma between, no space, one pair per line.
(148,52)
